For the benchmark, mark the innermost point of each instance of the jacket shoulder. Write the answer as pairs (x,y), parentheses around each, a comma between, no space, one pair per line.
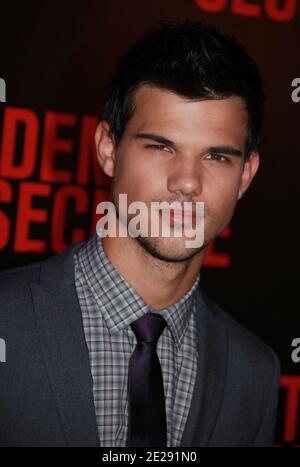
(15,290)
(14,281)
(249,350)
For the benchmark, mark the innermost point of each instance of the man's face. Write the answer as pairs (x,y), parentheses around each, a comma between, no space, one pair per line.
(175,149)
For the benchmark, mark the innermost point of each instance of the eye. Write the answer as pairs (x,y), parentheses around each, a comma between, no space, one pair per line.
(217,157)
(158,147)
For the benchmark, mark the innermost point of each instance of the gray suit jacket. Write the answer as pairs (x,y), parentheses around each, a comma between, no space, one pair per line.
(46,396)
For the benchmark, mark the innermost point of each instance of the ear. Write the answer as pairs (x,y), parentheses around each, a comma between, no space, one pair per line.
(249,170)
(105,148)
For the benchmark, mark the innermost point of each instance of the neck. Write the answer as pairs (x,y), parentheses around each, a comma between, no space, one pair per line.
(160,283)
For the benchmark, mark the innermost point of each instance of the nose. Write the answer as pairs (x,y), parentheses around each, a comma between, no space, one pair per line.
(185,178)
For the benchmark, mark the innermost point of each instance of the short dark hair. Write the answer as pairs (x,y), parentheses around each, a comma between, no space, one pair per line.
(195,61)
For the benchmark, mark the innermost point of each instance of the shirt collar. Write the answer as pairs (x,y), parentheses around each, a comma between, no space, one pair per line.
(118,302)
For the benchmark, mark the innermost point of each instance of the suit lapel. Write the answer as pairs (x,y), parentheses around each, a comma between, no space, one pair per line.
(210,379)
(59,323)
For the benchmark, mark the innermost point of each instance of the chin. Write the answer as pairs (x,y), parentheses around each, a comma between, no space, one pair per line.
(170,250)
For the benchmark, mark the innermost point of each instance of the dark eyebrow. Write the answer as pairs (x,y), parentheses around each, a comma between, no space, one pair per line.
(229,150)
(157,138)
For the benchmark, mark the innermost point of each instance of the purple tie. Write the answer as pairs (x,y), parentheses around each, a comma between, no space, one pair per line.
(147,412)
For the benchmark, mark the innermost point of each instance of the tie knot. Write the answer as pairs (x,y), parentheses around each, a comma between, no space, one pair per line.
(149,327)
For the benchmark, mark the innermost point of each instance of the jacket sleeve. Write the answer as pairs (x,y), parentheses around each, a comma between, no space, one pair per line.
(266,431)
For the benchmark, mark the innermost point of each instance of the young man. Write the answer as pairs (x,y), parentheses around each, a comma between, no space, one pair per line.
(181,124)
